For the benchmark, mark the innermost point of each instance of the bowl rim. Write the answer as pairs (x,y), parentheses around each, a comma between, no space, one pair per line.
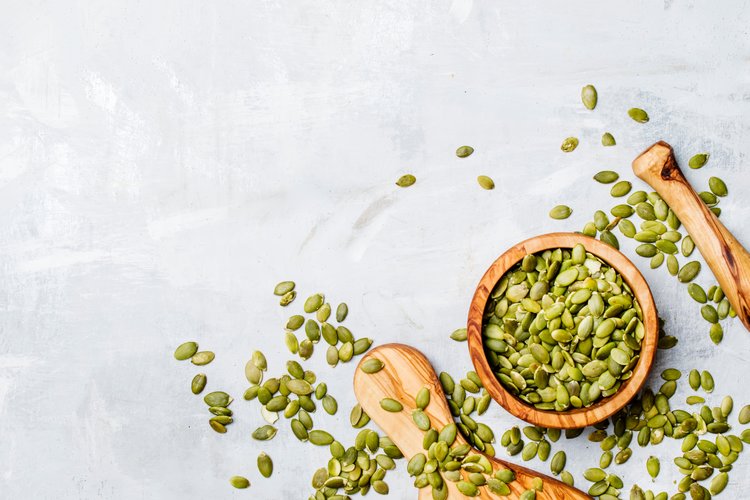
(578,417)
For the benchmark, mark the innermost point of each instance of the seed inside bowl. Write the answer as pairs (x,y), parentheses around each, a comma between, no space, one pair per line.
(562,329)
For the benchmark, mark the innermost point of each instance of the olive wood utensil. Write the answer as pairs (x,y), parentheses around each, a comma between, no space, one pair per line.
(604,408)
(726,257)
(405,372)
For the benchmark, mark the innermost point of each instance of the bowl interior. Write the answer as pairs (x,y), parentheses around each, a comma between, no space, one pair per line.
(604,408)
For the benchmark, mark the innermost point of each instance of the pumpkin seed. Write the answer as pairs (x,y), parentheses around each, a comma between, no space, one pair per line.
(313,303)
(717,186)
(372,365)
(638,115)
(342,311)
(217,426)
(620,189)
(198,383)
(265,465)
(218,398)
(486,182)
(283,287)
(698,160)
(239,482)
(558,462)
(744,415)
(569,144)
(406,180)
(422,400)
(689,271)
(608,139)
(320,438)
(464,151)
(719,483)
(421,420)
(560,212)
(687,246)
(606,176)
(459,335)
(391,405)
(185,351)
(707,381)
(202,358)
(653,466)
(589,96)
(287,298)
(709,313)
(264,433)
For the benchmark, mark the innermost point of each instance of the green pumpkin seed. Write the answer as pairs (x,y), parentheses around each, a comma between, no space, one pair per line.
(687,246)
(421,420)
(589,96)
(295,322)
(422,399)
(239,482)
(198,383)
(406,180)
(673,265)
(569,144)
(608,139)
(218,398)
(486,182)
(185,351)
(202,358)
(698,161)
(464,151)
(313,303)
(610,239)
(606,177)
(560,212)
(283,288)
(265,465)
(329,404)
(689,271)
(620,189)
(558,462)
(697,293)
(342,311)
(320,438)
(217,426)
(638,115)
(287,298)
(627,228)
(391,405)
(717,186)
(707,381)
(744,415)
(459,335)
(709,313)
(264,433)
(719,483)
(653,466)
(372,365)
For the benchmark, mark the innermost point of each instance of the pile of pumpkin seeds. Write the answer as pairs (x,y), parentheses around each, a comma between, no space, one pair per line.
(562,329)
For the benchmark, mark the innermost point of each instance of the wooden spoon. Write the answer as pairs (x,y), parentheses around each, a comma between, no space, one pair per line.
(406,371)
(728,260)
(575,418)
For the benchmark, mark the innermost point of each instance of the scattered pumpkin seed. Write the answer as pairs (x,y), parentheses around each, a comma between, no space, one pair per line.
(486,182)
(202,358)
(406,180)
(198,383)
(560,212)
(608,139)
(698,160)
(589,96)
(638,115)
(464,151)
(239,482)
(391,405)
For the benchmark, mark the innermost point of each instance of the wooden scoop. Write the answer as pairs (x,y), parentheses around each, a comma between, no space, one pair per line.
(406,371)
(728,260)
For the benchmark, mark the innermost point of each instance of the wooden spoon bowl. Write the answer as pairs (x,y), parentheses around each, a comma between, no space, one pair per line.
(604,408)
(405,372)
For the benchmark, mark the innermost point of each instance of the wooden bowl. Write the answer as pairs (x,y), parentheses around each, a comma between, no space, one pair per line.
(604,408)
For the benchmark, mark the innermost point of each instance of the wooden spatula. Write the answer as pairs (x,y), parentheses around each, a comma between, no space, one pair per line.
(726,257)
(406,371)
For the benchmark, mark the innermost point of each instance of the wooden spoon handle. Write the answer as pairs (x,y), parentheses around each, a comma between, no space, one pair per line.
(406,371)
(728,260)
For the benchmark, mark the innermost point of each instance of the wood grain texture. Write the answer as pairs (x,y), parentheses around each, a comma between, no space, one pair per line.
(606,407)
(406,371)
(726,257)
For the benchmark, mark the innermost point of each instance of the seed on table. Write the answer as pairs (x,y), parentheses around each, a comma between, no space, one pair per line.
(717,186)
(709,313)
(623,211)
(653,466)
(329,404)
(283,287)
(697,293)
(689,271)
(569,144)
(265,465)
(638,115)
(464,151)
(313,303)
(716,333)
(422,400)
(707,381)
(391,405)
(202,358)
(239,482)
(657,260)
(744,415)
(627,228)
(560,212)
(694,400)
(727,404)
(645,211)
(620,189)
(264,433)
(608,139)
(589,96)
(486,182)
(606,176)
(320,438)
(673,265)
(459,334)
(287,298)
(610,239)
(218,398)
(406,180)
(558,462)
(698,160)
(185,351)
(719,483)
(198,383)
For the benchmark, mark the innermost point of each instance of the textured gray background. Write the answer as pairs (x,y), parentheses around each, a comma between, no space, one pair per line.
(164,164)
